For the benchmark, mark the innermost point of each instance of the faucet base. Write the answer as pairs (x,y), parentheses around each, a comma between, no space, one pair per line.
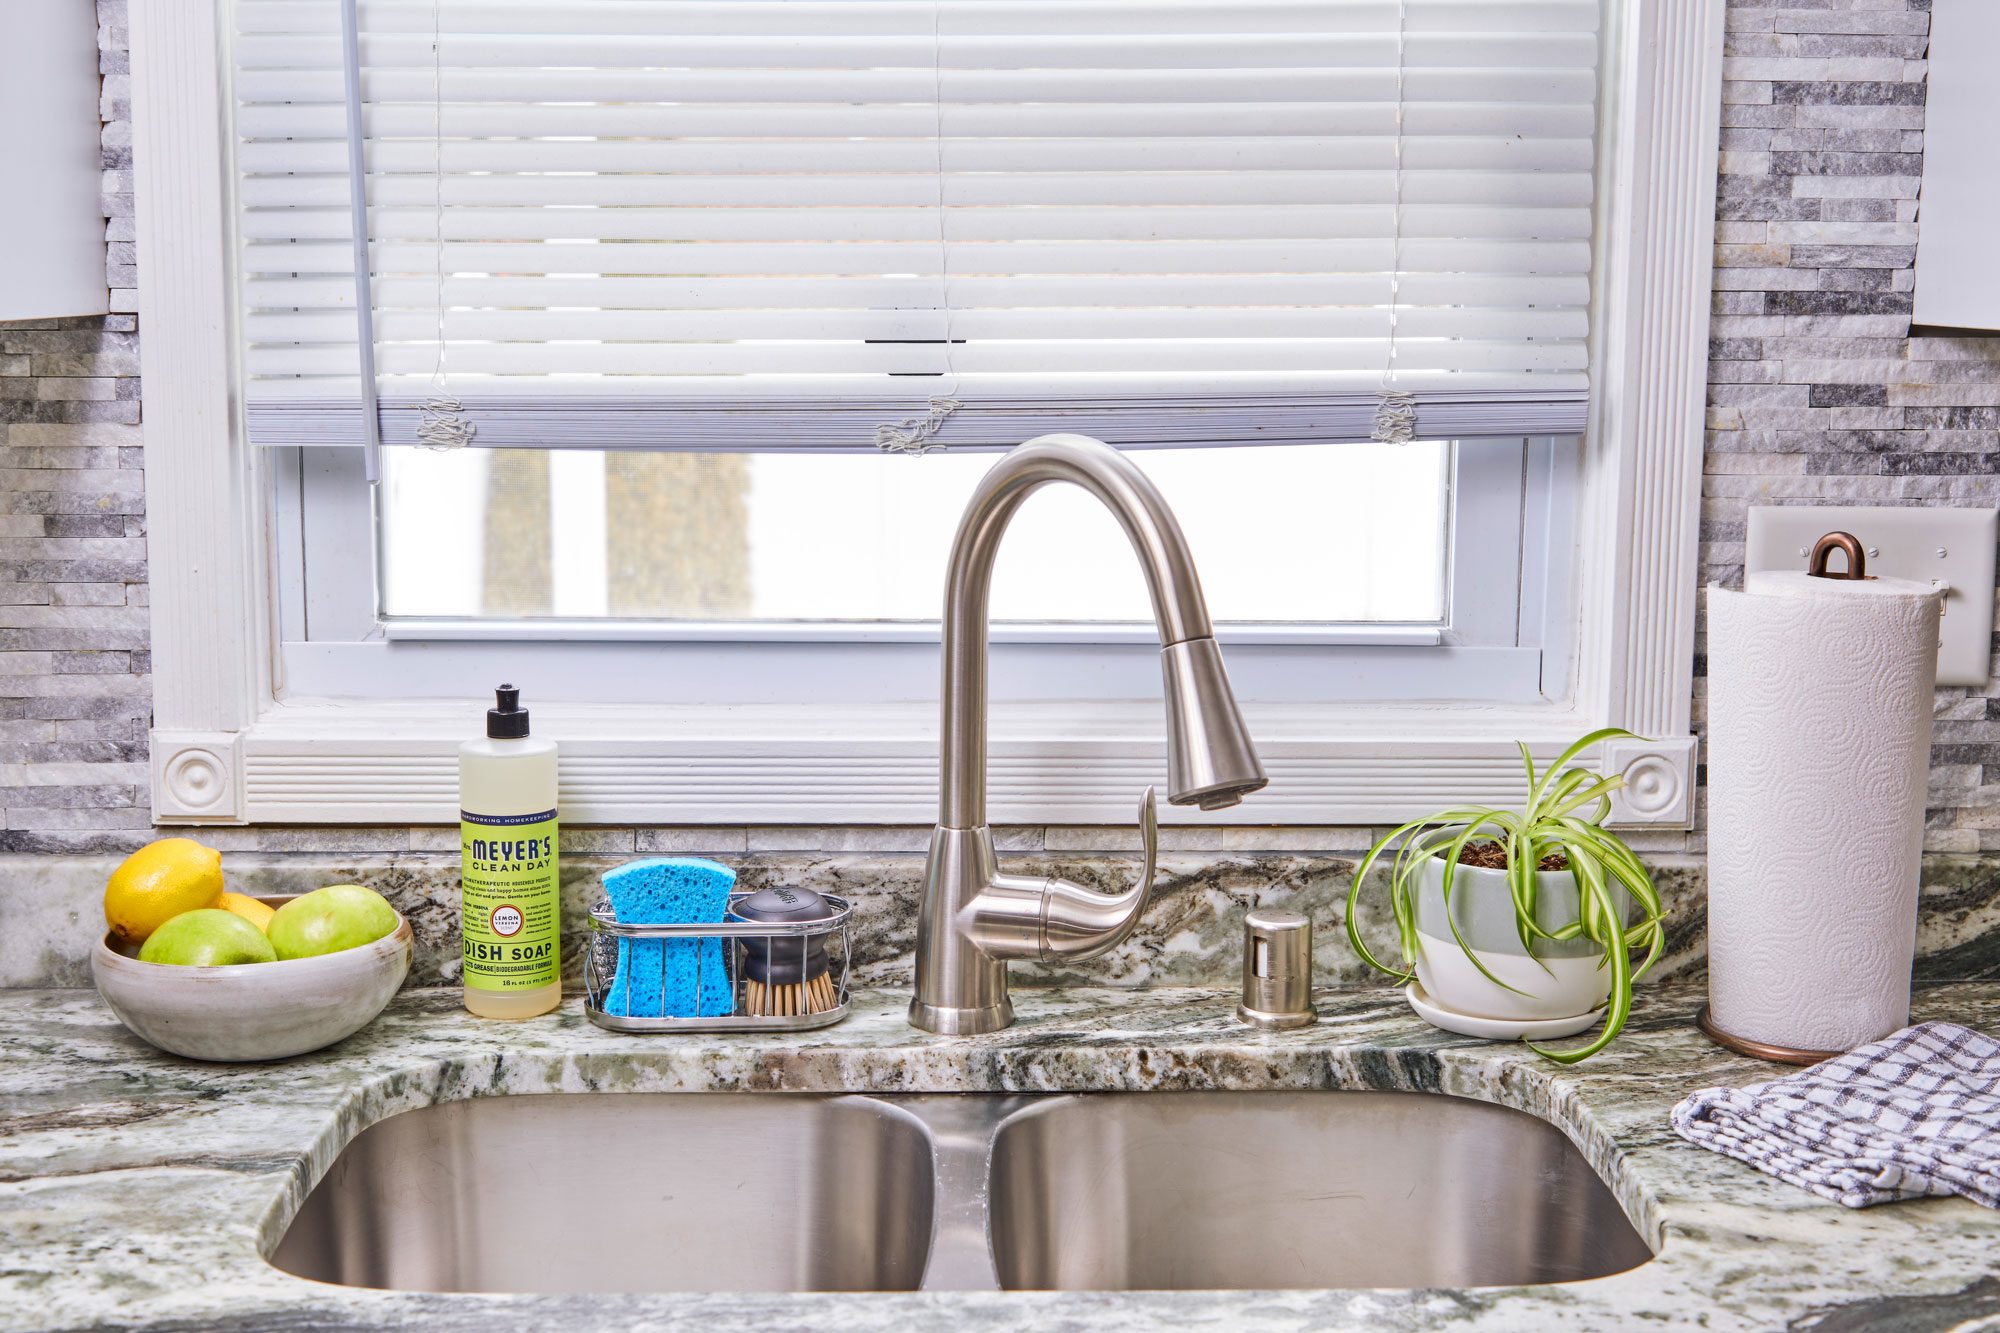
(950,1021)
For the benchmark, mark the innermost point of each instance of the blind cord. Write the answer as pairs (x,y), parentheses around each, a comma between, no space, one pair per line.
(1396,411)
(441,420)
(357,216)
(917,436)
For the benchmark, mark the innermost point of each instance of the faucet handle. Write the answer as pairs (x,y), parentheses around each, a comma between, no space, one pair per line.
(1077,922)
(1149,834)
(1054,919)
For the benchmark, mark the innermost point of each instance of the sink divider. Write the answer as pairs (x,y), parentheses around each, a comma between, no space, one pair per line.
(962,1129)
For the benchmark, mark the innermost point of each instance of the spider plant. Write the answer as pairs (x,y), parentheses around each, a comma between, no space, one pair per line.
(1564,814)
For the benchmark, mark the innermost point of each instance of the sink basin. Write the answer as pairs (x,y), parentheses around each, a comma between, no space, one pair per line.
(625,1192)
(650,1192)
(1269,1190)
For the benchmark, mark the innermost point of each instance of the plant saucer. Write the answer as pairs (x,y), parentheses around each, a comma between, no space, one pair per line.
(1496,1029)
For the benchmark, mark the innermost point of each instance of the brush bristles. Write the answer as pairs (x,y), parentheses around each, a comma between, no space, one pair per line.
(816,996)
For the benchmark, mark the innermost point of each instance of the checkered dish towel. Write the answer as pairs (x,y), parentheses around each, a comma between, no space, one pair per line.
(1913,1114)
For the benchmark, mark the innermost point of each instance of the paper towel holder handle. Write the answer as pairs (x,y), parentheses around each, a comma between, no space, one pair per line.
(1857,559)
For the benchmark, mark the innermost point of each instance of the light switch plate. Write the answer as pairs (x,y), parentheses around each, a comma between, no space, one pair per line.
(1925,545)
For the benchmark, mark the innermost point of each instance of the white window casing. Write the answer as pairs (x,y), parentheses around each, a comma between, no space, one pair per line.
(233,743)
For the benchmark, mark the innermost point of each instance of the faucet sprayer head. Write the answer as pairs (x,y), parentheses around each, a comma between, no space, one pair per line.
(1210,760)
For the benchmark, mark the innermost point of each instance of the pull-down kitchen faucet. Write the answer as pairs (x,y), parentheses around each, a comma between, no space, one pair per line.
(974,918)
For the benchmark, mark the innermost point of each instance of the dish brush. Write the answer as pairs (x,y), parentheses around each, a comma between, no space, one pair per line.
(786,975)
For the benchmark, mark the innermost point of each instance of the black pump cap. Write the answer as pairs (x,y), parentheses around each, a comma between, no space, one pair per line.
(782,904)
(789,960)
(509,721)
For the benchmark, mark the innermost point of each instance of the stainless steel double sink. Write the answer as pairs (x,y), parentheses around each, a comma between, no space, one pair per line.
(648,1192)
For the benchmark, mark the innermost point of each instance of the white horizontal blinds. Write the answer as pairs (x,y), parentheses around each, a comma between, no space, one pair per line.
(784,223)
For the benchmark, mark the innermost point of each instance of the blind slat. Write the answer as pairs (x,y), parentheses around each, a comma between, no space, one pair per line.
(1191,222)
(1019,357)
(1149,292)
(1529,113)
(614,258)
(263,196)
(807,156)
(416,327)
(1488,80)
(915,49)
(712,18)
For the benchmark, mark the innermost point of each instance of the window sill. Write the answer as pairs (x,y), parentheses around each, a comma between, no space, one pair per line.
(552,630)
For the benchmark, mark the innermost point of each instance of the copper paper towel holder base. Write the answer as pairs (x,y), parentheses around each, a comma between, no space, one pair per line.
(1758,1050)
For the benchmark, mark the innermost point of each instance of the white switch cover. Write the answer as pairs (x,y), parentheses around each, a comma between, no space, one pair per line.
(1925,545)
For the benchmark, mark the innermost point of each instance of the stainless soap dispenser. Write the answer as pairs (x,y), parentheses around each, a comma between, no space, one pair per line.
(1277,970)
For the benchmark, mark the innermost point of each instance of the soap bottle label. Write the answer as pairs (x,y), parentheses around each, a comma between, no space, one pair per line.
(511,895)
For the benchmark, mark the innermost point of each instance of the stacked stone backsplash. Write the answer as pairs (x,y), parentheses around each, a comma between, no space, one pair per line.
(1818,394)
(1191,934)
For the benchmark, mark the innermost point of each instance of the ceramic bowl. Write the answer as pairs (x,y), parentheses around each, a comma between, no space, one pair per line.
(253,1011)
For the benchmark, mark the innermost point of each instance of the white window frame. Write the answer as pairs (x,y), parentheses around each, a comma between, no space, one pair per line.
(232,744)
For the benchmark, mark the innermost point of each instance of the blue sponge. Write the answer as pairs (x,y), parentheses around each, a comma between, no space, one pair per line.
(670,978)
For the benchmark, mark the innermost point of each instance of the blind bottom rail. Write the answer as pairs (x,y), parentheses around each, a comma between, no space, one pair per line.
(849,424)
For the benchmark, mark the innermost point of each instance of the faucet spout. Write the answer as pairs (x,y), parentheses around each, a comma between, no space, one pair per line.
(974,918)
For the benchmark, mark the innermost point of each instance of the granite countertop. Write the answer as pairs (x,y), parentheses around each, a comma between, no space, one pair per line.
(139,1190)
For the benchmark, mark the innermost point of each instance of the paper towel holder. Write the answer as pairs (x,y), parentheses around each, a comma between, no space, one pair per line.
(1758,1050)
(1857,559)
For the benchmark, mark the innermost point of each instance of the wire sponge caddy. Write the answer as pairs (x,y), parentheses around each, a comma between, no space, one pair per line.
(783,976)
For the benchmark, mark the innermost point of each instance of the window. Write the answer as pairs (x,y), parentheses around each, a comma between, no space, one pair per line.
(654,263)
(828,226)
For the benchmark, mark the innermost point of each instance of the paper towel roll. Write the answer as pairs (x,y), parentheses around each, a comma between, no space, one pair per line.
(1819,731)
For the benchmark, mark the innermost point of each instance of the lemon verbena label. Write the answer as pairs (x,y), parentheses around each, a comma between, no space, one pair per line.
(510,891)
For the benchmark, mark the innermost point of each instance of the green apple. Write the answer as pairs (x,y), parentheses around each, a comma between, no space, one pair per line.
(339,916)
(207,937)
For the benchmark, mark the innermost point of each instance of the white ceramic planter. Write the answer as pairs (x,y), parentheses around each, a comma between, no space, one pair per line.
(253,1011)
(1568,981)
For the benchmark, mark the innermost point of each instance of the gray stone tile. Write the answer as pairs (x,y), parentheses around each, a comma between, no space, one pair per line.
(687,841)
(803,838)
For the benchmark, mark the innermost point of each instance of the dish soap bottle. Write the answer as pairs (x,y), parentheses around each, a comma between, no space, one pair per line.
(510,891)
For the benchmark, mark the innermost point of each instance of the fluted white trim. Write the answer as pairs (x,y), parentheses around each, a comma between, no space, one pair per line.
(395,763)
(201,521)
(1655,269)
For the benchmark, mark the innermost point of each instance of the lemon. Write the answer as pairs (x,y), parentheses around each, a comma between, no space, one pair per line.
(256,913)
(160,881)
